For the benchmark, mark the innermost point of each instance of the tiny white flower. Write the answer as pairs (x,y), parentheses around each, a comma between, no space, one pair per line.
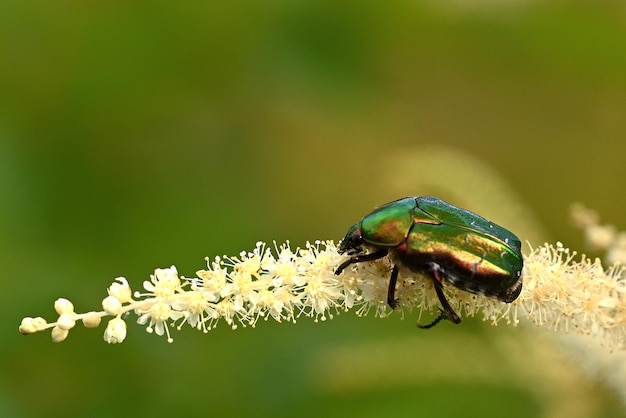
(211,281)
(193,306)
(115,331)
(163,283)
(156,316)
(121,290)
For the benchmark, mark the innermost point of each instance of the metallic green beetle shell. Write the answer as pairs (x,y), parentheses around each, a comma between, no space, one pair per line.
(423,233)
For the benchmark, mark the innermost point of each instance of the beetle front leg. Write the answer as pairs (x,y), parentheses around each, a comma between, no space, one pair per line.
(359,258)
(391,291)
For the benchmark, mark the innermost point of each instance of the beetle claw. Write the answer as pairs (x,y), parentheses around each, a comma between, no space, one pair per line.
(443,314)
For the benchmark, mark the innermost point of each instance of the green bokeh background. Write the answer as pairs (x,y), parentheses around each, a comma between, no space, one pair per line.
(136,135)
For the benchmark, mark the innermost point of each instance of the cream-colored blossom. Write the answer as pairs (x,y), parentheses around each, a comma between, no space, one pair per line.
(194,307)
(163,283)
(120,290)
(156,317)
(115,331)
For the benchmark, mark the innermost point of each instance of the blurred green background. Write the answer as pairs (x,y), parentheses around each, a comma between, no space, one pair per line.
(136,135)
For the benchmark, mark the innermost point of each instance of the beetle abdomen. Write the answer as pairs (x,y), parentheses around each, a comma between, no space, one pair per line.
(471,262)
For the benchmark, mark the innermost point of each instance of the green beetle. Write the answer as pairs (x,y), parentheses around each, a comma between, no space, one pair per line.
(429,236)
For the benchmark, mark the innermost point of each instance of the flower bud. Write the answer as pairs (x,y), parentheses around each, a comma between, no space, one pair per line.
(63,306)
(28,326)
(112,305)
(66,321)
(91,320)
(59,334)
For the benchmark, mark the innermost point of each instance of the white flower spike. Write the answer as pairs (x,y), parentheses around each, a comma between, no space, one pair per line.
(559,294)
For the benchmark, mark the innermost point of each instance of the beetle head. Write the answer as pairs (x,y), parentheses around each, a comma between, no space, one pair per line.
(353,241)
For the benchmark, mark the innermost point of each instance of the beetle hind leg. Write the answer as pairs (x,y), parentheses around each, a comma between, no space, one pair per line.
(447,312)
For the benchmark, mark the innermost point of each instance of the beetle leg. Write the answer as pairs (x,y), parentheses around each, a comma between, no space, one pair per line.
(391,291)
(447,312)
(359,258)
